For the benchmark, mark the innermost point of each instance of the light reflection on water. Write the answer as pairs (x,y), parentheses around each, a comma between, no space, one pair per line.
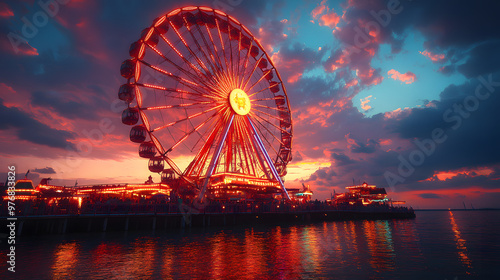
(461,247)
(436,245)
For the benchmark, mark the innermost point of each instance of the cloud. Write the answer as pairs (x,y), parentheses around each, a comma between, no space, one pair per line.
(5,11)
(430,196)
(407,78)
(432,56)
(364,103)
(357,146)
(45,170)
(29,129)
(341,159)
(297,156)
(483,59)
(447,69)
(320,9)
(271,33)
(469,151)
(325,16)
(293,61)
(62,104)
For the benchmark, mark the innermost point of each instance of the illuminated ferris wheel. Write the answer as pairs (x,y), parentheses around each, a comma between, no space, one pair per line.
(208,99)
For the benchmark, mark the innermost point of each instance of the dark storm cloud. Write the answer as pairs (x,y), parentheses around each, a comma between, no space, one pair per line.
(341,159)
(323,175)
(368,148)
(59,103)
(483,59)
(312,90)
(45,170)
(471,135)
(32,130)
(430,195)
(456,23)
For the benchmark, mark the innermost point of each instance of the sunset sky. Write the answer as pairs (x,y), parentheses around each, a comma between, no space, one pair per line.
(402,95)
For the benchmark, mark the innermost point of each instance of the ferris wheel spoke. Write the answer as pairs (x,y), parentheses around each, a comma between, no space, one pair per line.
(269,87)
(247,58)
(243,148)
(245,64)
(196,69)
(215,157)
(189,49)
(264,99)
(231,49)
(184,71)
(226,84)
(268,159)
(271,133)
(182,80)
(187,118)
(239,140)
(267,121)
(175,90)
(238,59)
(176,106)
(213,45)
(225,76)
(267,114)
(203,152)
(258,152)
(271,108)
(260,80)
(223,48)
(248,148)
(212,65)
(253,71)
(192,131)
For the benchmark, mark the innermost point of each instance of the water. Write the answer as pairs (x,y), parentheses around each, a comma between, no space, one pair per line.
(435,245)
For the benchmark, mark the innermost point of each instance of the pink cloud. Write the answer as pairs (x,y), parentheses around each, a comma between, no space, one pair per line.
(272,33)
(351,83)
(17,46)
(294,78)
(467,172)
(385,142)
(325,16)
(6,88)
(5,11)
(397,113)
(369,76)
(432,56)
(406,78)
(330,19)
(293,62)
(319,9)
(365,101)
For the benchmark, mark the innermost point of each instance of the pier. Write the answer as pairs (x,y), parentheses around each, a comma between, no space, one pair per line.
(125,217)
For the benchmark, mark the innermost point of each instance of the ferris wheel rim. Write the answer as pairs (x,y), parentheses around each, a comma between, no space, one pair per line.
(223,16)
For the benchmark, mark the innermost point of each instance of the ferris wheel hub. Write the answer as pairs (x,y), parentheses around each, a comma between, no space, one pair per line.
(239,101)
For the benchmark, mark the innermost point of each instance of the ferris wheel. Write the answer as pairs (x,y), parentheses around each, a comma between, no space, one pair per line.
(204,98)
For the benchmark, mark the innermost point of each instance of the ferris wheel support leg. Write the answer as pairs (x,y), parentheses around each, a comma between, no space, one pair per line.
(215,158)
(268,159)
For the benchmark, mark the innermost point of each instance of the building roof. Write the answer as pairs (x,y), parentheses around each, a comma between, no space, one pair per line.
(24,184)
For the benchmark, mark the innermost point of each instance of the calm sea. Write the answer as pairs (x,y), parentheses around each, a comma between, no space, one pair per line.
(435,245)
